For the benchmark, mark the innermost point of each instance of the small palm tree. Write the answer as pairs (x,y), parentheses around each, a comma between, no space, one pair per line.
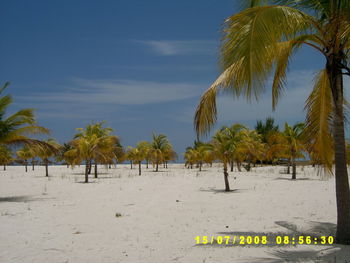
(25,154)
(264,129)
(295,143)
(159,146)
(222,149)
(5,156)
(136,155)
(46,151)
(145,147)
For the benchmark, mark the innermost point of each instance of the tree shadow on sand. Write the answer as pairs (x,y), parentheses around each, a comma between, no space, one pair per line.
(222,191)
(298,179)
(20,199)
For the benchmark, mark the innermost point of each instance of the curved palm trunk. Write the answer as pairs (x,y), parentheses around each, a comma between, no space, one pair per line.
(87,171)
(139,167)
(341,173)
(227,185)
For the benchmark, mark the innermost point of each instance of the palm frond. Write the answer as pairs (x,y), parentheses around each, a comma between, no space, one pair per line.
(319,107)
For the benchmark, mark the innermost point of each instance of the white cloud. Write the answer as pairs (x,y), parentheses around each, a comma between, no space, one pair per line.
(122,92)
(181,47)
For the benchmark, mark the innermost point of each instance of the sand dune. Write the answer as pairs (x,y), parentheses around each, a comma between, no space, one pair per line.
(123,217)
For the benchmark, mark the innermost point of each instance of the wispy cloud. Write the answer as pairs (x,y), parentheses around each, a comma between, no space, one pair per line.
(123,92)
(181,47)
(94,98)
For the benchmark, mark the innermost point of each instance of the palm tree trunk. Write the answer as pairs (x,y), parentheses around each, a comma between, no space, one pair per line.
(32,165)
(239,166)
(156,166)
(139,167)
(231,164)
(146,164)
(90,166)
(288,167)
(341,173)
(227,185)
(47,168)
(294,169)
(26,165)
(131,165)
(95,169)
(87,171)
(4,167)
(200,166)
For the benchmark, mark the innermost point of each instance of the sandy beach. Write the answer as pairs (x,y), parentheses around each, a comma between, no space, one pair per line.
(123,217)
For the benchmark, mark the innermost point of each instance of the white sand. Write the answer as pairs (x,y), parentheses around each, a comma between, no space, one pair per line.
(60,219)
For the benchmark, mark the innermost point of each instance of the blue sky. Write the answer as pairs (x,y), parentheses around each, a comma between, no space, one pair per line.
(139,65)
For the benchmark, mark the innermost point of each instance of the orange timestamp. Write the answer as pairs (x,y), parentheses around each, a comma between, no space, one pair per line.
(264,240)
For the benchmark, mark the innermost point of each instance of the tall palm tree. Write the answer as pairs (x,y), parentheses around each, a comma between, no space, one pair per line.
(261,39)
(295,143)
(159,146)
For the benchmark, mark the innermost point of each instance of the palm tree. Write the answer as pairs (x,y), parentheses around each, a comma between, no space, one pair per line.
(15,128)
(50,149)
(25,154)
(261,39)
(264,129)
(295,143)
(235,135)
(159,146)
(275,147)
(145,147)
(222,151)
(250,149)
(5,156)
(106,144)
(136,155)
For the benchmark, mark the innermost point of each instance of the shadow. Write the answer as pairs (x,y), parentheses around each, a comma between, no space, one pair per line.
(298,179)
(218,191)
(20,199)
(333,254)
(83,182)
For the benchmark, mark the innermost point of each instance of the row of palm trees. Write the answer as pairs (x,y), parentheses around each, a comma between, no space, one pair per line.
(239,145)
(93,145)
